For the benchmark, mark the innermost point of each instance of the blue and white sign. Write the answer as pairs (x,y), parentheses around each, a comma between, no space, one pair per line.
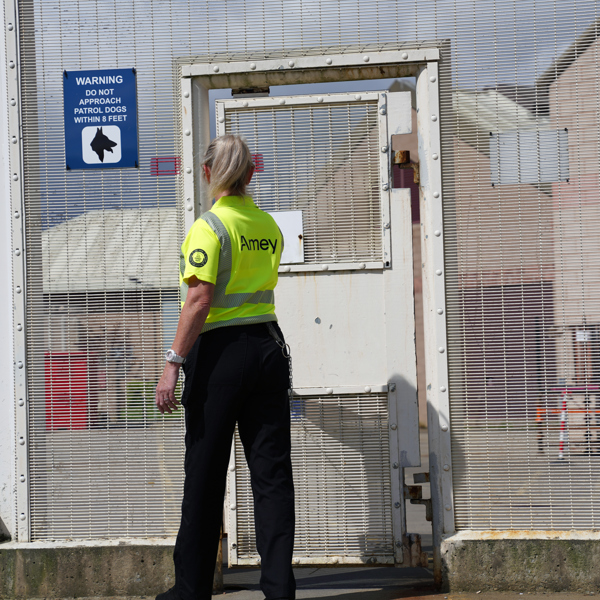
(100,119)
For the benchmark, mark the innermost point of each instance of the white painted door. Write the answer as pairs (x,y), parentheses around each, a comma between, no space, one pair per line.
(345,304)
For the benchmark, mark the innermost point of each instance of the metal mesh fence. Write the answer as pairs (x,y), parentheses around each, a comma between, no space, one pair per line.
(340,457)
(520,168)
(521,143)
(307,154)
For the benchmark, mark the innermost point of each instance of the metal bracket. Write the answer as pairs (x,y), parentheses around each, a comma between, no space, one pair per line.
(402,160)
(414,493)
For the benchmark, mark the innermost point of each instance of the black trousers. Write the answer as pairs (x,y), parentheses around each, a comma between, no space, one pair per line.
(236,374)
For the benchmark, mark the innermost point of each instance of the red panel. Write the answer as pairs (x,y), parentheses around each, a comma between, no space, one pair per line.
(67,404)
(259,163)
(168,165)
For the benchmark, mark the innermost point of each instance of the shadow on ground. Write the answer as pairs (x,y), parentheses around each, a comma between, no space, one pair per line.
(377,583)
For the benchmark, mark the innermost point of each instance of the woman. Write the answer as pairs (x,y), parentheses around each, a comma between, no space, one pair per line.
(235,371)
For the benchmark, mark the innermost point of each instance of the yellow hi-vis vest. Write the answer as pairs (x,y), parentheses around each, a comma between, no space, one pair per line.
(236,246)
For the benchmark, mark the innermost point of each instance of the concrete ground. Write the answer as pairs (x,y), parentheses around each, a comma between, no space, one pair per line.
(364,584)
(378,583)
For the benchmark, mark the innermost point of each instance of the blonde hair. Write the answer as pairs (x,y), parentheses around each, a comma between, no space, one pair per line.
(230,163)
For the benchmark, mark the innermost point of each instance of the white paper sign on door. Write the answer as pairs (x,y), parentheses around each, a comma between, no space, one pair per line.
(290,223)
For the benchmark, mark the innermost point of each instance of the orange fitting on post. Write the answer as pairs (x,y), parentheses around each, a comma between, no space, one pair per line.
(539,415)
(402,157)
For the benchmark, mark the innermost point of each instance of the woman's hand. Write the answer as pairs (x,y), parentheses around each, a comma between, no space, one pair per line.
(165,390)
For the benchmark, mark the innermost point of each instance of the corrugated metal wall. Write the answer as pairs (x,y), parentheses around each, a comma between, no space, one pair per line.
(521,245)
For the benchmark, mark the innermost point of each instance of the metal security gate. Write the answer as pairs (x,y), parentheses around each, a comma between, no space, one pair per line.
(511,271)
(345,304)
(522,282)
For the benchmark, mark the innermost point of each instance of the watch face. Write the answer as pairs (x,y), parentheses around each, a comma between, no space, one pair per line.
(172,356)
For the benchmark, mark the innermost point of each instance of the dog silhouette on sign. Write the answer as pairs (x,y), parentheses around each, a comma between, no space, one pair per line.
(101,144)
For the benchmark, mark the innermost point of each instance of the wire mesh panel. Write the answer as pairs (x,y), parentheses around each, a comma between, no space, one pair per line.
(340,457)
(104,462)
(323,159)
(522,273)
(321,156)
(520,234)
(102,293)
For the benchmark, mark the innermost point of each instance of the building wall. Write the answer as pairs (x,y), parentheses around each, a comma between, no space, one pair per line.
(575,105)
(493,266)
(503,292)
(494,226)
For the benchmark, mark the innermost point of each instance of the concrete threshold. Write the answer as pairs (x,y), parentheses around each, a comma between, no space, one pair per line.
(478,565)
(130,569)
(522,561)
(99,568)
(344,594)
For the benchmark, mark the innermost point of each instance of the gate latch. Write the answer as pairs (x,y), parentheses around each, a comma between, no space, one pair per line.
(414,493)
(402,160)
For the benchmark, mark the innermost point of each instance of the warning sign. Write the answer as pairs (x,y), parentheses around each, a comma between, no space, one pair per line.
(100,118)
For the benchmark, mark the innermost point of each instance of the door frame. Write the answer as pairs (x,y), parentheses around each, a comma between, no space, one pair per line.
(198,75)
(396,376)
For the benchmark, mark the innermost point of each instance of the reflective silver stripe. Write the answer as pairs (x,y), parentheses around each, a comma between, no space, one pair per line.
(225,257)
(221,299)
(235,300)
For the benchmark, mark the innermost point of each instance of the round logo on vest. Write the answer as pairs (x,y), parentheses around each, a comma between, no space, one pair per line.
(198,258)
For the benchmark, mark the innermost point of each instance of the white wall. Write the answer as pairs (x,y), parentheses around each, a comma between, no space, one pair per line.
(7,425)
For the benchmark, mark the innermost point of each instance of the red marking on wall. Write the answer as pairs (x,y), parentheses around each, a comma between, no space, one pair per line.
(259,163)
(168,165)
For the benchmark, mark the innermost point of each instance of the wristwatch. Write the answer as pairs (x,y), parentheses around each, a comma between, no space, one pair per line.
(172,357)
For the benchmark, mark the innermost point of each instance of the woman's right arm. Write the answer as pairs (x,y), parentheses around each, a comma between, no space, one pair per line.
(193,315)
(191,320)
